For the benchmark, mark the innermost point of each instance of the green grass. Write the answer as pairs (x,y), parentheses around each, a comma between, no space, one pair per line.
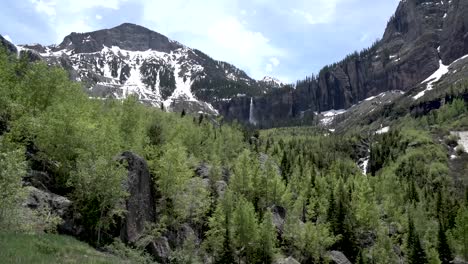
(46,248)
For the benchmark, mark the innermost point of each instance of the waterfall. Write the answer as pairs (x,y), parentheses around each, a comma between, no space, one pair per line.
(251,113)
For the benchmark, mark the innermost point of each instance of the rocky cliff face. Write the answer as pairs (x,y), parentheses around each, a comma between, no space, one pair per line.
(8,46)
(130,59)
(417,37)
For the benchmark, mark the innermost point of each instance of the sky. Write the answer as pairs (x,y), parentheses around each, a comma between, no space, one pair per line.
(287,40)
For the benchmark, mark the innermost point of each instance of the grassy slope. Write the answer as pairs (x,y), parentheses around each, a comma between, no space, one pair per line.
(24,248)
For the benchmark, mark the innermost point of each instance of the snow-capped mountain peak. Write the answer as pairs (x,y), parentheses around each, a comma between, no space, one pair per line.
(273,81)
(130,59)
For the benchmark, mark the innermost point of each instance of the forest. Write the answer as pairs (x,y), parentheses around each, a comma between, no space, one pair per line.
(267,195)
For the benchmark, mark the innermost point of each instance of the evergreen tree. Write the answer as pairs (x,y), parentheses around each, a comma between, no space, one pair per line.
(227,255)
(285,167)
(245,229)
(416,253)
(268,241)
(443,248)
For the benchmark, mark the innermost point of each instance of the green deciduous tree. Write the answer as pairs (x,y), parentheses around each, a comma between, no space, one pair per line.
(99,192)
(12,169)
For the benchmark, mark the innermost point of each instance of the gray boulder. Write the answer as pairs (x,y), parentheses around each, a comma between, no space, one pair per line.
(279,214)
(140,204)
(203,170)
(459,261)
(182,233)
(39,179)
(288,260)
(220,187)
(339,258)
(160,249)
(37,199)
(50,204)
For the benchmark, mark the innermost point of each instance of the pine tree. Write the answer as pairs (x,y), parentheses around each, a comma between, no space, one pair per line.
(227,255)
(416,254)
(245,229)
(331,209)
(268,241)
(443,248)
(412,192)
(285,167)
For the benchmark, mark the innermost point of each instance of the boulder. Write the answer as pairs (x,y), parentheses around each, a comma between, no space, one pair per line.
(54,205)
(339,258)
(180,235)
(203,170)
(459,261)
(220,187)
(58,205)
(288,260)
(279,214)
(140,205)
(160,249)
(367,239)
(38,179)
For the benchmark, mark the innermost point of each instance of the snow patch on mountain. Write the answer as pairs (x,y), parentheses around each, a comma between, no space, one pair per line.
(329,116)
(123,72)
(271,80)
(436,76)
(383,130)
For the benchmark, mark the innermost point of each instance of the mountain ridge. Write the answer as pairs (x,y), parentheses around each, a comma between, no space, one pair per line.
(417,37)
(421,36)
(131,59)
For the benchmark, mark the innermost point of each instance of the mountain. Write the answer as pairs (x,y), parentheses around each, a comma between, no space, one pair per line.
(131,59)
(420,43)
(421,37)
(8,45)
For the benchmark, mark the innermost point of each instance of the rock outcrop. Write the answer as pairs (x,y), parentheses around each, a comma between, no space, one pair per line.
(160,250)
(8,45)
(417,37)
(56,204)
(339,258)
(288,260)
(279,215)
(140,205)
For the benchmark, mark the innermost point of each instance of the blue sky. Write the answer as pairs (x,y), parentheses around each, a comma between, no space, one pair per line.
(284,39)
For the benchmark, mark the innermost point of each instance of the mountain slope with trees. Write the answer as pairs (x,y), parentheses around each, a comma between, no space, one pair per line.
(221,193)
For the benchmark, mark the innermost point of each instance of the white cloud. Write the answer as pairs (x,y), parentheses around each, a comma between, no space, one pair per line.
(98,17)
(47,7)
(50,7)
(314,12)
(218,28)
(66,16)
(275,61)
